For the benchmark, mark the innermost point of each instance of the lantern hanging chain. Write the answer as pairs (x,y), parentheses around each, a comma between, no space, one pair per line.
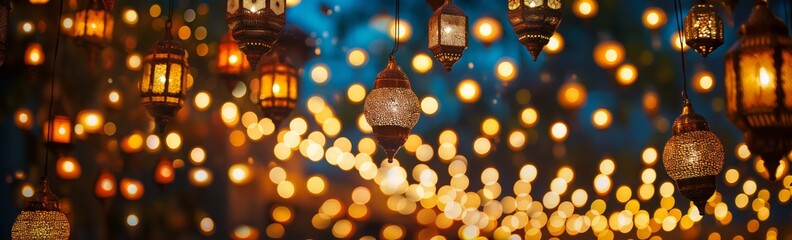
(397,26)
(681,34)
(52,93)
(168,23)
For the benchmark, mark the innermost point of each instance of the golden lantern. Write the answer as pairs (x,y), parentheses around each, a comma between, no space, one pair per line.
(68,168)
(534,22)
(278,88)
(231,63)
(703,28)
(57,134)
(163,173)
(41,218)
(448,34)
(256,25)
(693,157)
(105,185)
(162,86)
(391,108)
(758,96)
(93,25)
(5,19)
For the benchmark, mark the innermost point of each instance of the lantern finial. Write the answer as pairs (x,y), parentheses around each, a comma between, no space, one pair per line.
(256,25)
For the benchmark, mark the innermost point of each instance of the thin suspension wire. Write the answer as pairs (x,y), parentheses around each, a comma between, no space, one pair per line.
(679,23)
(397,26)
(52,93)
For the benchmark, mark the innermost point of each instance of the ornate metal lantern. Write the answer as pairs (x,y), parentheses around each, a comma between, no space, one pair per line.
(256,25)
(693,157)
(278,88)
(5,19)
(392,109)
(93,25)
(758,80)
(448,34)
(534,22)
(231,63)
(162,86)
(703,28)
(41,218)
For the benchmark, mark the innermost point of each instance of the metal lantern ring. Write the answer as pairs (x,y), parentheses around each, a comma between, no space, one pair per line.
(534,22)
(256,25)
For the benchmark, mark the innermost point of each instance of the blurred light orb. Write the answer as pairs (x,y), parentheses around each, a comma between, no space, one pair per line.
(505,70)
(529,117)
(357,57)
(626,74)
(422,63)
(23,119)
(468,91)
(609,54)
(132,220)
(429,105)
(487,30)
(320,73)
(131,189)
(68,168)
(200,177)
(704,81)
(555,45)
(207,225)
(405,30)
(601,118)
(202,100)
(585,9)
(678,42)
(558,131)
(654,18)
(356,93)
(239,173)
(572,95)
(316,185)
(130,17)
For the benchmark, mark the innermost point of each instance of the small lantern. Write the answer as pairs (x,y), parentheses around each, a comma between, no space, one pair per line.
(68,168)
(448,34)
(93,25)
(231,63)
(703,28)
(758,96)
(693,157)
(105,185)
(534,22)
(164,173)
(58,134)
(391,108)
(5,19)
(41,218)
(162,86)
(256,25)
(278,88)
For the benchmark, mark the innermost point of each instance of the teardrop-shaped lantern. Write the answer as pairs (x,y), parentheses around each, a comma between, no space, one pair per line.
(256,25)
(448,34)
(703,28)
(534,22)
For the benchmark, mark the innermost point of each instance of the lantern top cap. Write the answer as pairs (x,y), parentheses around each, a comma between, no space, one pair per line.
(450,8)
(45,200)
(689,121)
(392,71)
(762,21)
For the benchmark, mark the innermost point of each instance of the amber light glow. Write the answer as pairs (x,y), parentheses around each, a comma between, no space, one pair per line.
(23,118)
(91,120)
(131,189)
(654,18)
(231,62)
(58,132)
(704,81)
(468,91)
(608,54)
(34,55)
(585,8)
(164,173)
(68,168)
(93,25)
(105,185)
(487,30)
(555,45)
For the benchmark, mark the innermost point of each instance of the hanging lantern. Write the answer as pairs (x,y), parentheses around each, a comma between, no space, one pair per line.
(5,19)
(163,84)
(391,108)
(758,96)
(534,22)
(703,28)
(105,185)
(231,63)
(41,218)
(448,34)
(59,132)
(93,25)
(278,88)
(693,157)
(164,173)
(256,25)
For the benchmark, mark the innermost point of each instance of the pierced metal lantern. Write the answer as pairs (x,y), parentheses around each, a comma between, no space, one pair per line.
(93,25)
(278,88)
(5,19)
(231,63)
(703,28)
(162,86)
(693,157)
(759,86)
(448,34)
(391,108)
(256,25)
(534,22)
(41,218)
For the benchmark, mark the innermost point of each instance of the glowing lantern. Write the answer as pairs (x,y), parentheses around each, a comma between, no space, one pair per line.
(534,22)
(58,134)
(162,86)
(256,25)
(93,25)
(68,168)
(448,34)
(703,28)
(163,173)
(231,63)
(41,218)
(278,88)
(131,189)
(758,96)
(105,185)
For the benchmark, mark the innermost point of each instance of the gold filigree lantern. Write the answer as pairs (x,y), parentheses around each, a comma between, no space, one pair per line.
(759,86)
(448,34)
(278,88)
(41,218)
(93,25)
(703,28)
(534,22)
(231,62)
(162,87)
(256,25)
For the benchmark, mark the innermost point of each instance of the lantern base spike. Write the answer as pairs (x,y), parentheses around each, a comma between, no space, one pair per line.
(772,145)
(391,138)
(698,190)
(771,164)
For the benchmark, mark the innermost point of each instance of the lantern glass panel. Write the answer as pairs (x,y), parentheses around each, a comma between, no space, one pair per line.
(253,5)
(731,86)
(281,83)
(174,85)
(534,3)
(266,86)
(759,95)
(786,78)
(293,87)
(159,78)
(453,28)
(59,131)
(145,85)
(434,33)
(277,6)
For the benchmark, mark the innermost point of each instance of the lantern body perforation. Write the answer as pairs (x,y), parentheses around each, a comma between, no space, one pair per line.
(278,88)
(5,19)
(231,62)
(256,25)
(448,34)
(41,218)
(759,86)
(534,22)
(703,29)
(391,108)
(93,25)
(162,87)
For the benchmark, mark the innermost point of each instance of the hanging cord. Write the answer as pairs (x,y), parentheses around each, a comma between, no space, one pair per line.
(397,26)
(169,23)
(52,93)
(678,13)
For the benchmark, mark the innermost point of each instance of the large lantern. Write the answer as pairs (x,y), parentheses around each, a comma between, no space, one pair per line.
(693,157)
(759,86)
(534,22)
(93,25)
(41,218)
(278,88)
(162,86)
(5,19)
(448,34)
(703,28)
(231,63)
(256,25)
(391,108)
